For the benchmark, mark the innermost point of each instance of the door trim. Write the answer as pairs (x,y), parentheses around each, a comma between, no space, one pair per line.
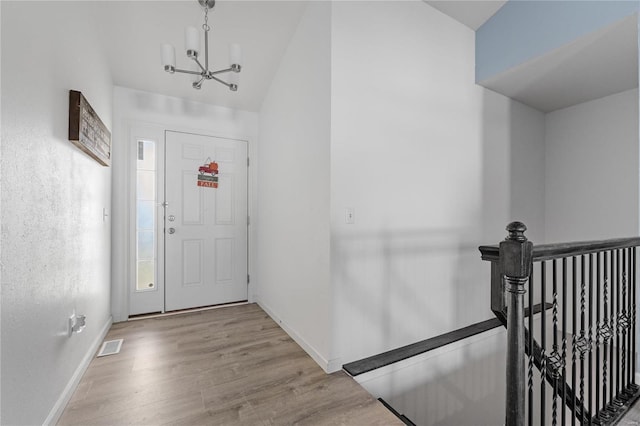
(122,264)
(153,299)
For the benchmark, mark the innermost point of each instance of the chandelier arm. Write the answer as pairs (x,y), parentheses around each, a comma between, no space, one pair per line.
(221,81)
(188,72)
(220,71)
(204,70)
(198,84)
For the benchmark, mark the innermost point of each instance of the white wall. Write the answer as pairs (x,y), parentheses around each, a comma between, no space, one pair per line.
(513,165)
(592,169)
(423,156)
(527,161)
(56,246)
(156,113)
(293,189)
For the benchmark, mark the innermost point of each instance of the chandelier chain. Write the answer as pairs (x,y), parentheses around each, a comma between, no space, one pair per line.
(206,26)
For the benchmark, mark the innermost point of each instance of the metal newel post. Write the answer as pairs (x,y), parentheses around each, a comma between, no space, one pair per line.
(515,263)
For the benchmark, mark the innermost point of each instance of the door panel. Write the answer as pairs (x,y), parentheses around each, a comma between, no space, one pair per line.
(192,262)
(206,255)
(224,200)
(191,199)
(224,260)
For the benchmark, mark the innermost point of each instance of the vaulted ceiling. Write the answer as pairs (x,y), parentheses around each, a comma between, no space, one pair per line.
(133,32)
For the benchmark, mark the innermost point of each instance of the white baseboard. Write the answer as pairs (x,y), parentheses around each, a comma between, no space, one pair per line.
(329,366)
(65,396)
(334,365)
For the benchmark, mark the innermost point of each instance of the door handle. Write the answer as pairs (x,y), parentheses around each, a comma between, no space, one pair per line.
(172,230)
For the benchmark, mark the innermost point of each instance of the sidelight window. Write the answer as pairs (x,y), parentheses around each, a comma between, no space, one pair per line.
(146,216)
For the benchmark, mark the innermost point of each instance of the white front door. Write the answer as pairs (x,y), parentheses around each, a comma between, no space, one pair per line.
(205,227)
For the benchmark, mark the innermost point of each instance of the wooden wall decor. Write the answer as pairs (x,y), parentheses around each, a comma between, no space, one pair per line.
(87,131)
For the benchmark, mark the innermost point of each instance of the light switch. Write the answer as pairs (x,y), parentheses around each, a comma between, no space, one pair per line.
(349,216)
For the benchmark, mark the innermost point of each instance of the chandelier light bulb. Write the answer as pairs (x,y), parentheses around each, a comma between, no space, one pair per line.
(235,55)
(168,56)
(192,41)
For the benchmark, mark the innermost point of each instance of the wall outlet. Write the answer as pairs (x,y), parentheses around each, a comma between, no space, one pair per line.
(76,323)
(349,216)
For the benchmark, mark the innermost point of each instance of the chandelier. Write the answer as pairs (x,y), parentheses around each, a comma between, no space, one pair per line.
(192,46)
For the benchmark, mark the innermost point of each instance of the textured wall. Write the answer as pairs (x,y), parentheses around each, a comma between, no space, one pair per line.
(55,244)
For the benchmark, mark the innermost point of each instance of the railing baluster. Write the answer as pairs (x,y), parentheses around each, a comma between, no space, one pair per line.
(555,356)
(598,290)
(628,309)
(612,315)
(617,328)
(590,341)
(606,335)
(633,316)
(612,299)
(622,320)
(581,342)
(543,340)
(564,341)
(530,343)
(574,324)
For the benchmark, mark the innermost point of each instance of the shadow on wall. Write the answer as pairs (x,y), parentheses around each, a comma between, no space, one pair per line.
(398,287)
(513,175)
(458,385)
(153,103)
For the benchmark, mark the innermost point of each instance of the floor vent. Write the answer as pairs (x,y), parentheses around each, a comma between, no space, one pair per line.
(110,347)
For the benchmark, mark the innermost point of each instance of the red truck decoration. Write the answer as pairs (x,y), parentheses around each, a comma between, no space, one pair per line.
(211,168)
(208,175)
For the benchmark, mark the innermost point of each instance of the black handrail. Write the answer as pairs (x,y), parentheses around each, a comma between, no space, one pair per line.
(559,250)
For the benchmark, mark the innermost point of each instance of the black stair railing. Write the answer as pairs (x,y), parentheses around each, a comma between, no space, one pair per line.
(575,361)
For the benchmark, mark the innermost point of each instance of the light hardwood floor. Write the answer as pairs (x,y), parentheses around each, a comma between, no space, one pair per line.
(227,366)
